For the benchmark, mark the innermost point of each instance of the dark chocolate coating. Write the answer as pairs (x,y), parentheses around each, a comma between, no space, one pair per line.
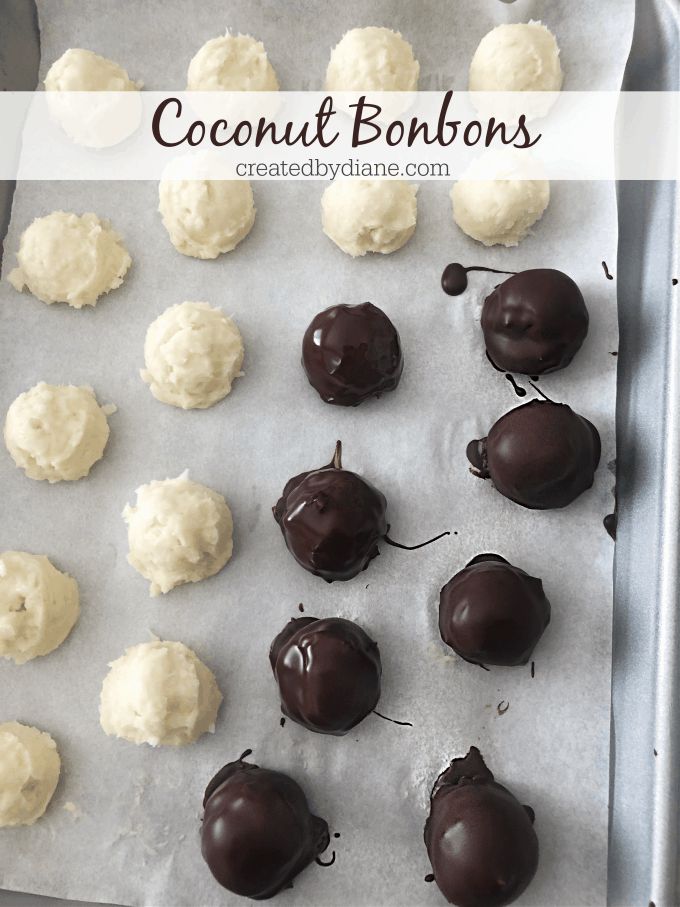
(541,455)
(480,839)
(328,672)
(258,832)
(351,353)
(492,613)
(332,521)
(534,322)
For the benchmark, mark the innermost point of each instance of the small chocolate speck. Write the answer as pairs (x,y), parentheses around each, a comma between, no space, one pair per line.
(282,722)
(502,707)
(533,669)
(655,753)
(301,607)
(429,877)
(336,834)
(614,353)
(606,271)
(674,281)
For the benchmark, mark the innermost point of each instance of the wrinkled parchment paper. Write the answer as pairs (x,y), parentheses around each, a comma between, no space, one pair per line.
(124,823)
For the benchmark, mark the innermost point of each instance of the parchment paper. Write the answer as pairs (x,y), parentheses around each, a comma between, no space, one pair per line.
(124,823)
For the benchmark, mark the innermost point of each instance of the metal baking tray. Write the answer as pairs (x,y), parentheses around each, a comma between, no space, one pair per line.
(645,749)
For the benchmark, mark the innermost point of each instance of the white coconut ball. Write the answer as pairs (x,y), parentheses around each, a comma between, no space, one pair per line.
(503,209)
(83,70)
(92,98)
(232,63)
(363,216)
(192,353)
(159,693)
(38,606)
(519,57)
(205,218)
(179,532)
(64,257)
(56,432)
(29,772)
(372,59)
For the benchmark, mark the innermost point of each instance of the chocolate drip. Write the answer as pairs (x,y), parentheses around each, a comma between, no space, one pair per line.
(454,277)
(610,523)
(520,391)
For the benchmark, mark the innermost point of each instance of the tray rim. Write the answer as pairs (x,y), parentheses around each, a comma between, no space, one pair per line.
(644,833)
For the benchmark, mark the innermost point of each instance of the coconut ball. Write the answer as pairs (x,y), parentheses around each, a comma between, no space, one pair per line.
(363,216)
(93,99)
(205,217)
(178,532)
(83,70)
(499,210)
(56,433)
(232,63)
(159,693)
(192,354)
(29,772)
(38,606)
(64,257)
(372,59)
(519,57)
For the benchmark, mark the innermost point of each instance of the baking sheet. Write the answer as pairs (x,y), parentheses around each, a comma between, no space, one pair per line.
(135,839)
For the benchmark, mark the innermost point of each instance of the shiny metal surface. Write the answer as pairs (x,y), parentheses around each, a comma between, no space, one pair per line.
(645,769)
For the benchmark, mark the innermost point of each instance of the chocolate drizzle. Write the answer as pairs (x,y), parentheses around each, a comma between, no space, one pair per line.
(454,277)
(393,720)
(479,838)
(518,389)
